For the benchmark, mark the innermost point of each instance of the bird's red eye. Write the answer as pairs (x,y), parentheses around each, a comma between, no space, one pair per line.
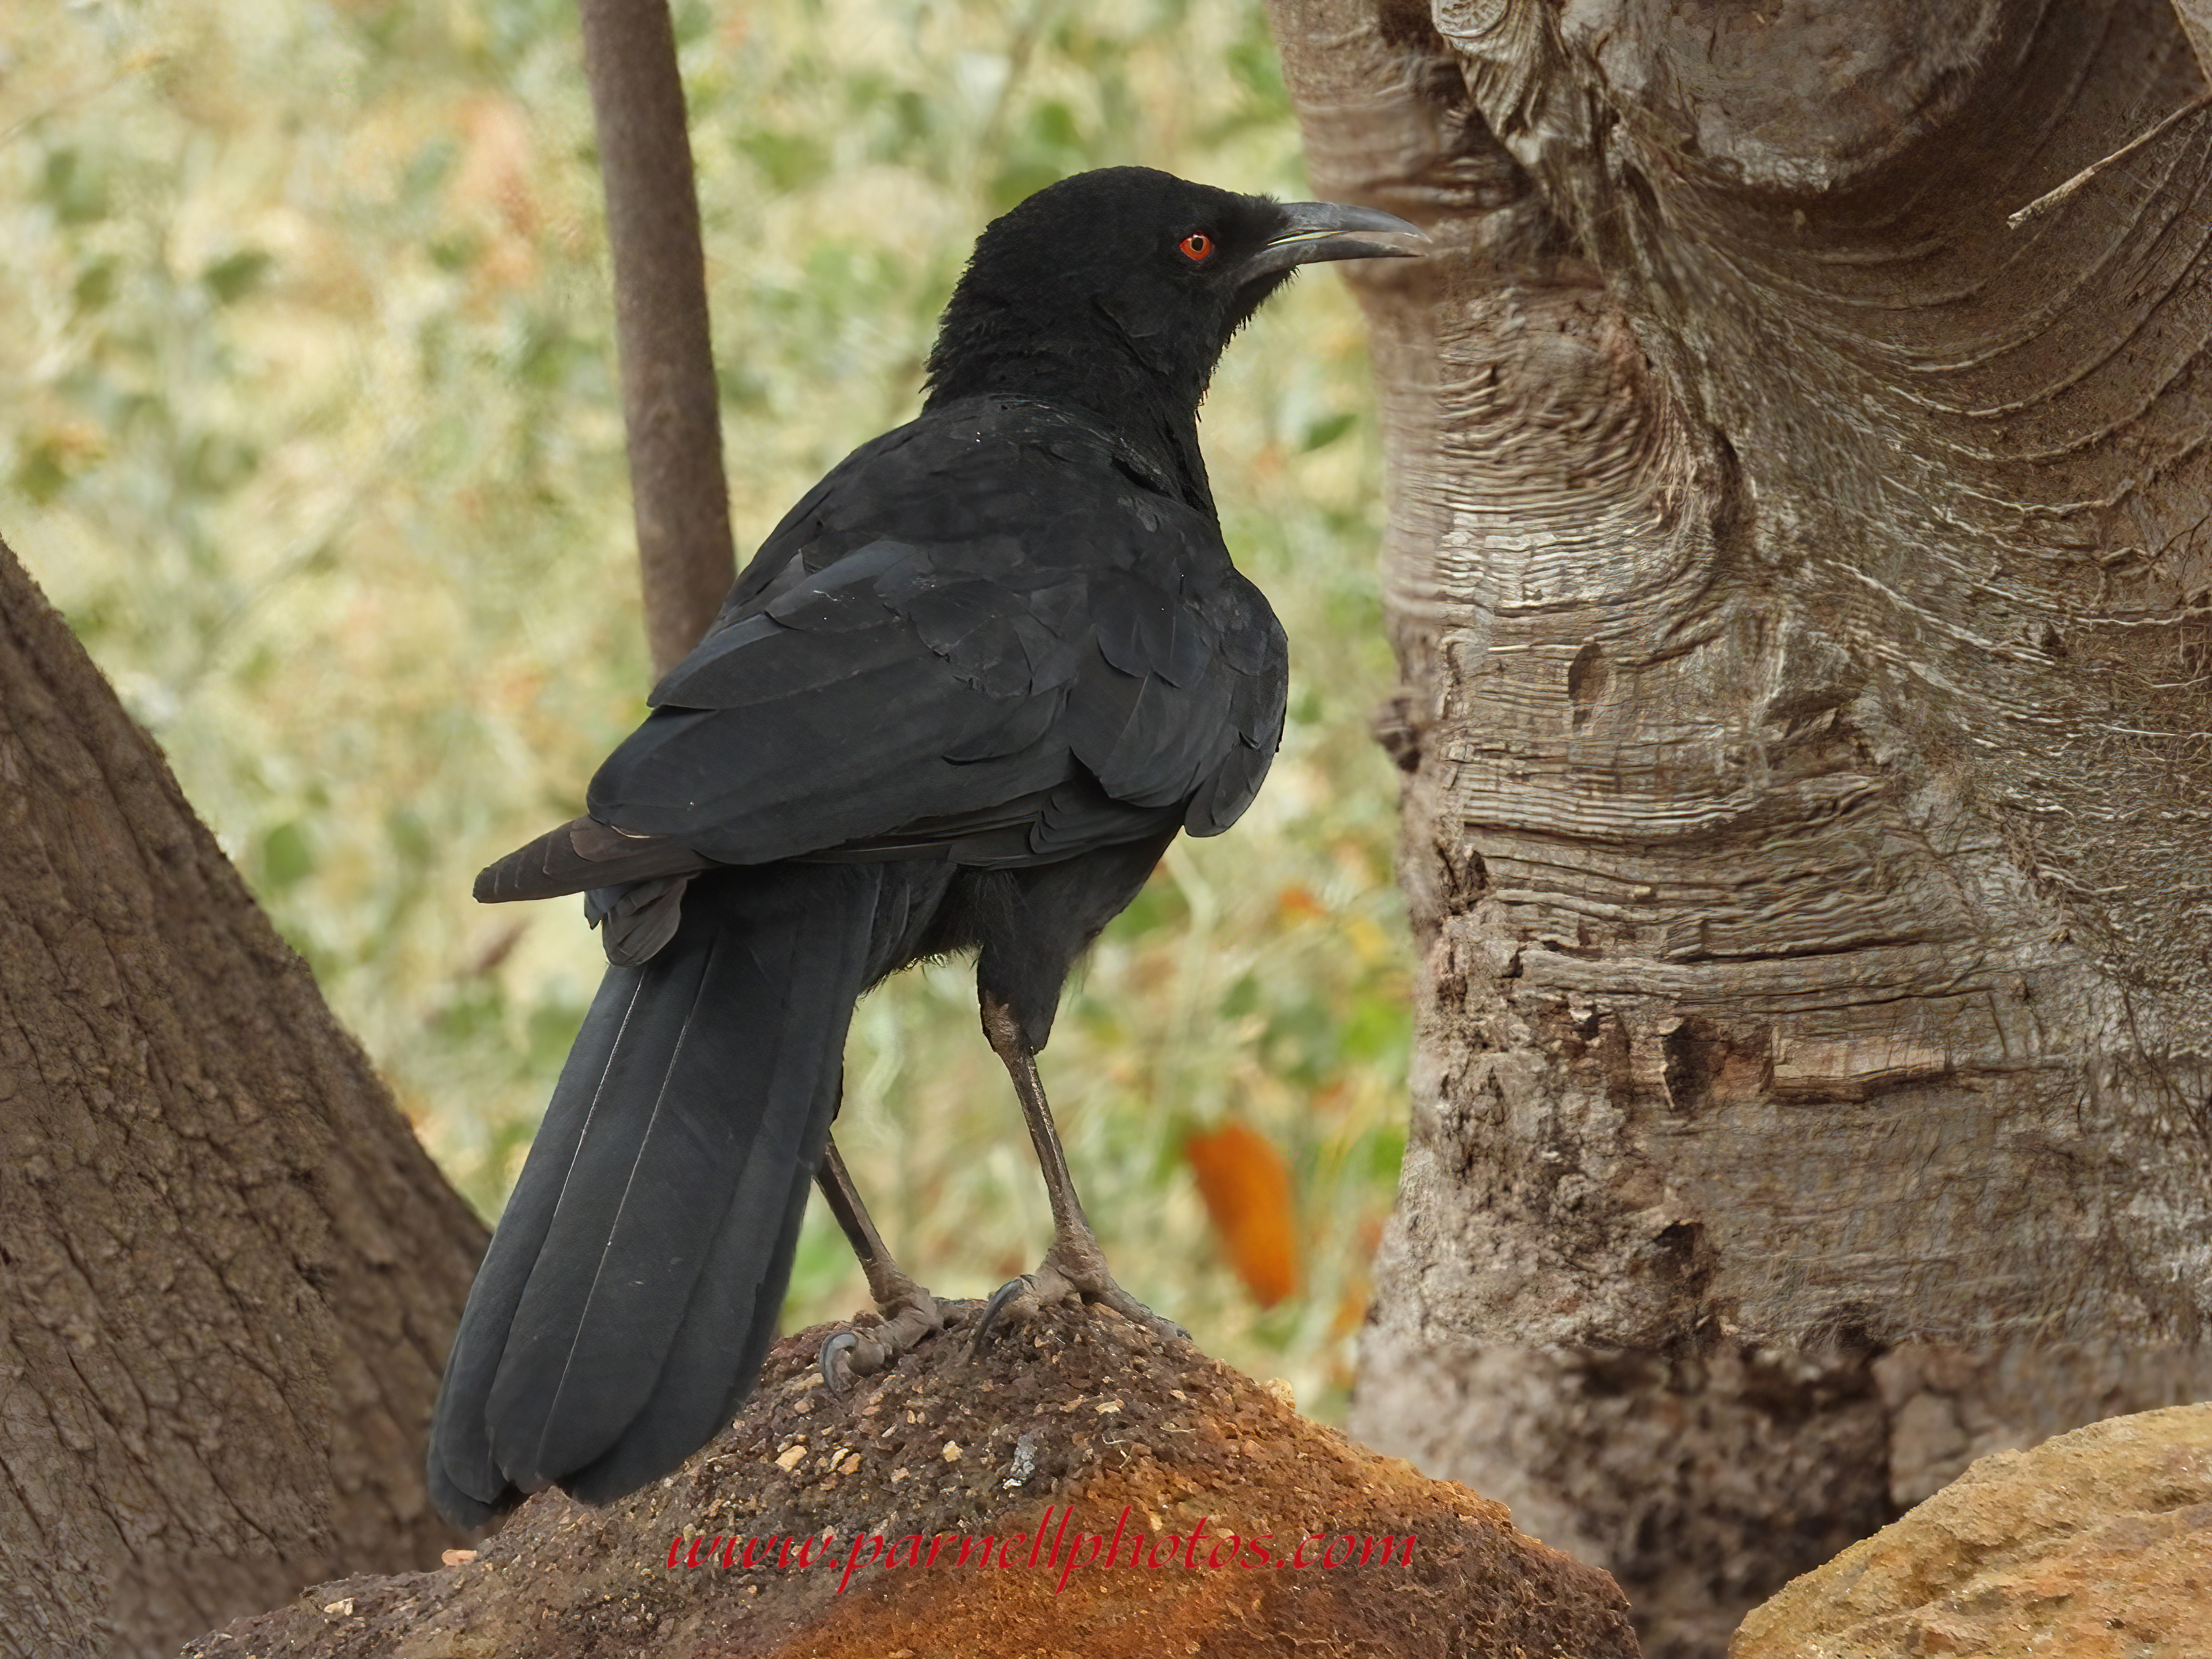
(1197,247)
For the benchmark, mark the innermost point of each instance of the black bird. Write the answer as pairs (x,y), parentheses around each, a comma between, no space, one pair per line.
(962,699)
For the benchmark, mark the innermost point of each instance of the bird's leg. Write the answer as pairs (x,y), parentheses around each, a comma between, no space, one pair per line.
(1074,1267)
(910,1312)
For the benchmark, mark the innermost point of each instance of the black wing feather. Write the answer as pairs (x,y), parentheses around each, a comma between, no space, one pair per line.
(993,604)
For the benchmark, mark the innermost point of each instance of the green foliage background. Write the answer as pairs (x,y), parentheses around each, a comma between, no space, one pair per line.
(313,433)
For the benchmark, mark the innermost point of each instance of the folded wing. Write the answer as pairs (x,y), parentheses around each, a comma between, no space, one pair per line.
(986,637)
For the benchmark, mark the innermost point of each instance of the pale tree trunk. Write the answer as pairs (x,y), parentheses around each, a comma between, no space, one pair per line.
(1802,584)
(228,1272)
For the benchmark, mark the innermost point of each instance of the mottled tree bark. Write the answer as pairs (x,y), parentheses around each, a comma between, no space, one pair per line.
(1802,583)
(230,1273)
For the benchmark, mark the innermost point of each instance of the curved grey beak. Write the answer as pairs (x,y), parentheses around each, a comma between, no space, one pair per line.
(1315,231)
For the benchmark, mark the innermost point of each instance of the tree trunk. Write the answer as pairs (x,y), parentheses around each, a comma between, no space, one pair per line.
(230,1271)
(1801,580)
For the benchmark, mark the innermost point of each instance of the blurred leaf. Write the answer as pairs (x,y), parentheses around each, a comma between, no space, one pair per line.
(214,463)
(233,278)
(410,838)
(791,160)
(1252,60)
(1385,1151)
(1379,1025)
(473,1011)
(1246,1185)
(95,285)
(455,252)
(550,352)
(75,192)
(41,472)
(1160,904)
(1242,998)
(286,857)
(1022,177)
(553,1028)
(691,21)
(1319,434)
(426,173)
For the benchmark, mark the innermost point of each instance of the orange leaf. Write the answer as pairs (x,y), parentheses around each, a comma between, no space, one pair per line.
(1246,1184)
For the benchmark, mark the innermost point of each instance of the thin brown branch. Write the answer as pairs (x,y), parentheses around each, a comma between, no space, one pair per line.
(677,489)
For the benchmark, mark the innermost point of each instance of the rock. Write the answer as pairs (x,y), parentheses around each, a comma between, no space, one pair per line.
(1077,1437)
(2095,1544)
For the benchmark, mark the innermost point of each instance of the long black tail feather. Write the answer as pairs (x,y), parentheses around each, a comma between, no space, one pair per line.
(633,1286)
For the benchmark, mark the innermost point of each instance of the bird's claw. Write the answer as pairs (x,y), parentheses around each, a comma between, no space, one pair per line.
(1084,1279)
(996,1305)
(851,1353)
(843,1343)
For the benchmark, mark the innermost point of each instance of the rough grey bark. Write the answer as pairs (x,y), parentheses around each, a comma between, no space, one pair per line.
(670,403)
(1801,580)
(230,1272)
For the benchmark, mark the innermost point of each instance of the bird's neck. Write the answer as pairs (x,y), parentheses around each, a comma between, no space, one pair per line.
(1155,413)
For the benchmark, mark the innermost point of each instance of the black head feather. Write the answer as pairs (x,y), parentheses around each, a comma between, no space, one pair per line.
(1116,291)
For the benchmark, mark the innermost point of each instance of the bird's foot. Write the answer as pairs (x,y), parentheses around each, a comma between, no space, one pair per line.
(908,1317)
(1074,1269)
